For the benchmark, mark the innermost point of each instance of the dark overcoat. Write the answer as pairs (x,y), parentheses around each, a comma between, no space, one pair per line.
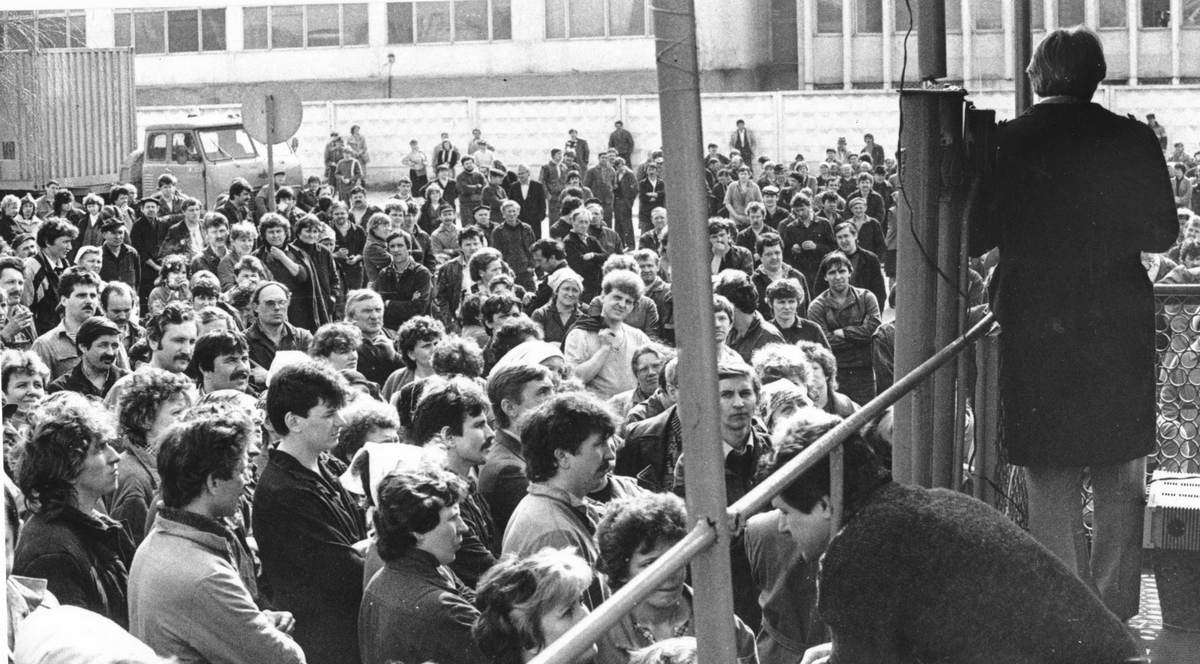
(1078,193)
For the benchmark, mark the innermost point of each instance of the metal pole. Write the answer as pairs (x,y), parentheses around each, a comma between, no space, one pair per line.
(271,152)
(1022,51)
(691,285)
(931,44)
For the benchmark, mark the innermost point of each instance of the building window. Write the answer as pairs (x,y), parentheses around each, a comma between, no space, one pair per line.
(783,32)
(1112,13)
(171,31)
(1070,13)
(906,17)
(988,15)
(868,16)
(954,15)
(1156,13)
(48,29)
(572,19)
(829,17)
(304,26)
(449,21)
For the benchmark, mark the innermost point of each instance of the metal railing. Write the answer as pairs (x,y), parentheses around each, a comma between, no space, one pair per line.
(704,534)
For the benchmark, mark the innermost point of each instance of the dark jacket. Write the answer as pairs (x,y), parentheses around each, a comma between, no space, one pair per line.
(652,447)
(515,244)
(533,205)
(75,381)
(867,273)
(502,480)
(481,543)
(1082,195)
(405,294)
(415,611)
(589,269)
(378,357)
(83,557)
(554,330)
(807,260)
(306,525)
(447,293)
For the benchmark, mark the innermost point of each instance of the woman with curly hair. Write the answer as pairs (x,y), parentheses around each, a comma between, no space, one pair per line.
(337,345)
(415,342)
(525,604)
(69,465)
(151,401)
(634,533)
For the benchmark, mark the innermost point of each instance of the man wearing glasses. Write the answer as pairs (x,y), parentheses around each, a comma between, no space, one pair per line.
(272,333)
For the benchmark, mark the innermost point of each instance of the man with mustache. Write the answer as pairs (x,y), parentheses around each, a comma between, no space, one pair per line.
(453,415)
(222,360)
(18,331)
(172,336)
(99,342)
(79,296)
(565,442)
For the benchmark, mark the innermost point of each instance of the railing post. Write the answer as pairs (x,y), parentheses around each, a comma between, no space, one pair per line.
(691,285)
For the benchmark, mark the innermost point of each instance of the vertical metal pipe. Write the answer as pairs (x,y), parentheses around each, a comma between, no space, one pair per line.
(679,108)
(931,46)
(1022,51)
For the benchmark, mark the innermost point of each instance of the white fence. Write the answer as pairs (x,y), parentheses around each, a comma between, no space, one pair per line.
(524,129)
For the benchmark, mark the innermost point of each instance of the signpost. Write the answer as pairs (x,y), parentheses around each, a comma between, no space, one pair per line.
(272,114)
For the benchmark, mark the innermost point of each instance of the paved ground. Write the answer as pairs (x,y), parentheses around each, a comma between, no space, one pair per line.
(1163,645)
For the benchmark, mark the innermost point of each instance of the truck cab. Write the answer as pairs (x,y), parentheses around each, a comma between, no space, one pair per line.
(205,155)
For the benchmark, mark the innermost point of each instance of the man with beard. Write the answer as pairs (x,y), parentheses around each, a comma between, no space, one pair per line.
(99,343)
(453,415)
(565,442)
(271,331)
(377,355)
(222,360)
(78,292)
(18,331)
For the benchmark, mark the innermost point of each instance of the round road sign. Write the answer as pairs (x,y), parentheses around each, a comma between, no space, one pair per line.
(288,113)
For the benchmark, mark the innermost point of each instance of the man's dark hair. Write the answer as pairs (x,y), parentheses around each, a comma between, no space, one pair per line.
(783,289)
(508,382)
(12,263)
(216,343)
(238,187)
(174,313)
(54,228)
(1068,61)
(718,224)
(299,388)
(739,289)
(414,331)
(202,447)
(214,220)
(514,332)
(832,259)
(205,284)
(550,248)
(76,276)
(495,304)
(564,422)
(863,472)
(472,232)
(92,329)
(411,502)
(800,200)
(446,403)
(481,259)
(765,240)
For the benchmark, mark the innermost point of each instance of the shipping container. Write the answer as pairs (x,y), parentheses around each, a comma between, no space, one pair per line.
(70,116)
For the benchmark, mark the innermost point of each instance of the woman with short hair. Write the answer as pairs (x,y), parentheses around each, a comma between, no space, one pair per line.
(634,533)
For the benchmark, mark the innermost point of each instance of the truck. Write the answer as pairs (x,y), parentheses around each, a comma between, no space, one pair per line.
(68,115)
(205,152)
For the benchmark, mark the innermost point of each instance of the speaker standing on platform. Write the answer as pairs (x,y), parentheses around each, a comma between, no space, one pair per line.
(1078,193)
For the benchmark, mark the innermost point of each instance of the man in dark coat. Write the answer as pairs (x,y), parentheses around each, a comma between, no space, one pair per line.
(531,196)
(306,523)
(1082,192)
(621,141)
(651,194)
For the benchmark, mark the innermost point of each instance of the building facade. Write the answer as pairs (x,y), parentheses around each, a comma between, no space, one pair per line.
(212,51)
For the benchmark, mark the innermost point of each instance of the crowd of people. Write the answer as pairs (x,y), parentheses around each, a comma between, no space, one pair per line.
(444,428)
